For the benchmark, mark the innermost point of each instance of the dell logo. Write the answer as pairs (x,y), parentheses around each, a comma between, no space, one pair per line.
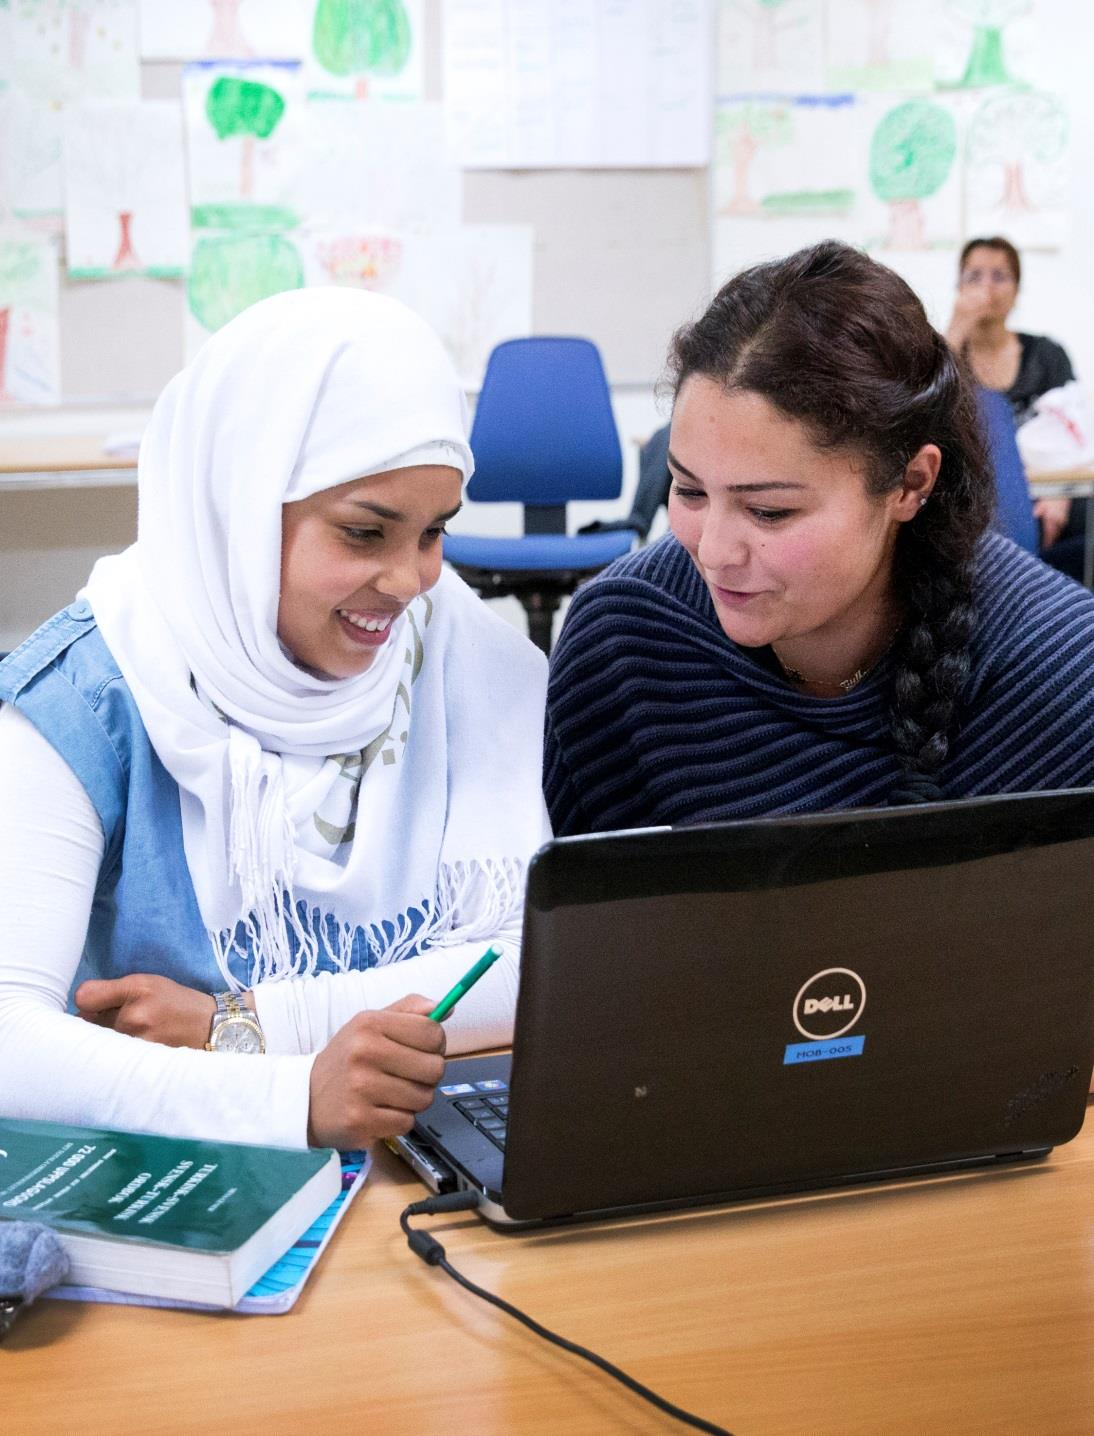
(846,1003)
(829,1004)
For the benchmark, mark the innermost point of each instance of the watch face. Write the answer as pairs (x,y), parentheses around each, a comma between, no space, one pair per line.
(237,1035)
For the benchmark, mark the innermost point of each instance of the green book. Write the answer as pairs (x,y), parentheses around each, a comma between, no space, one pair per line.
(163,1216)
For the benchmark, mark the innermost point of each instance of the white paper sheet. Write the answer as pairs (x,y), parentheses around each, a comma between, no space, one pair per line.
(769,46)
(573,83)
(31,157)
(983,43)
(1017,169)
(881,44)
(125,200)
(245,133)
(473,284)
(371,50)
(224,29)
(6,65)
(382,164)
(786,156)
(232,269)
(29,333)
(912,184)
(64,50)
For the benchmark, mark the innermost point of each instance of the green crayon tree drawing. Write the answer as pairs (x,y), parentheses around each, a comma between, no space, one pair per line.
(229,273)
(20,268)
(911,155)
(247,110)
(741,131)
(1010,135)
(361,38)
(986,64)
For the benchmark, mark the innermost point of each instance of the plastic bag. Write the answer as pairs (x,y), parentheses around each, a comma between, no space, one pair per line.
(1060,434)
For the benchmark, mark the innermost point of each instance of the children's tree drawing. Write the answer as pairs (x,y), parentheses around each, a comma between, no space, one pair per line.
(110,171)
(880,16)
(246,109)
(911,155)
(986,64)
(70,20)
(30,155)
(226,37)
(741,132)
(765,19)
(125,207)
(767,32)
(230,273)
(487,298)
(366,261)
(1011,136)
(20,268)
(362,38)
(769,45)
(62,45)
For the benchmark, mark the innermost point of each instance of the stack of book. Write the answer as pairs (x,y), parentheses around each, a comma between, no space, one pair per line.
(174,1221)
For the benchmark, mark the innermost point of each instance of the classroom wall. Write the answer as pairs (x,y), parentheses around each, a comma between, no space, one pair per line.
(1052,43)
(621,255)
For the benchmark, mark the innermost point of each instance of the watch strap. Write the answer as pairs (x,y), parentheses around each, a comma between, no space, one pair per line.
(230,1007)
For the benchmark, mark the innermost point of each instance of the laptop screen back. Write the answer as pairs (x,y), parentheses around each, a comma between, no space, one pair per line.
(765,1005)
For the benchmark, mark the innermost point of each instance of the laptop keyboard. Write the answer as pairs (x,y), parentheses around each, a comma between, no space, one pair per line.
(484,1104)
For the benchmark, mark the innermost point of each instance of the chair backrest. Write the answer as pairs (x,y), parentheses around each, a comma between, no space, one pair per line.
(1014,512)
(544,431)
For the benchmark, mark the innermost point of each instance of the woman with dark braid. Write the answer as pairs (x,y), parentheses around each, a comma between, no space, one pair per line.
(831,623)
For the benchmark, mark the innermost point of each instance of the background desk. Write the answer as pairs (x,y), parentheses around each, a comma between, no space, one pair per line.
(62,461)
(1070,484)
(63,503)
(955,1304)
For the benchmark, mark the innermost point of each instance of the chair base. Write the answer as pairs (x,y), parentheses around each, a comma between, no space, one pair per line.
(540,592)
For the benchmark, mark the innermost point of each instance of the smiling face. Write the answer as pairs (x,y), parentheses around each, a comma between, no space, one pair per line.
(988,274)
(353,557)
(792,547)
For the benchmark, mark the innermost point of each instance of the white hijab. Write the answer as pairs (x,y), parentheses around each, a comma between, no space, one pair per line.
(314,808)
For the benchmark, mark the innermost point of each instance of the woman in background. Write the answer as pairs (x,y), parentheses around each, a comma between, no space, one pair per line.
(276,773)
(830,622)
(1021,366)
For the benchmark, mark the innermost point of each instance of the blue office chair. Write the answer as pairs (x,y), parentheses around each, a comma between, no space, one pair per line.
(544,434)
(1014,508)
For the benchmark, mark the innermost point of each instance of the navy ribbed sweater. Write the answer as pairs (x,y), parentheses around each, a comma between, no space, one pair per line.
(655,716)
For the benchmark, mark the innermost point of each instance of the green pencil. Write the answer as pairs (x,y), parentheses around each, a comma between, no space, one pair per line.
(466,982)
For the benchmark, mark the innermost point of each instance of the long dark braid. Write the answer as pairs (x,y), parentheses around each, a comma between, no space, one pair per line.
(842,344)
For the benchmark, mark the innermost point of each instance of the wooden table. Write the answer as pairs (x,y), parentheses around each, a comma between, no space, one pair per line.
(41,461)
(955,1304)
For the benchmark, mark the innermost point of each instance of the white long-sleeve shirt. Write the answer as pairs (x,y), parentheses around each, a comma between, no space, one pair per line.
(56,1067)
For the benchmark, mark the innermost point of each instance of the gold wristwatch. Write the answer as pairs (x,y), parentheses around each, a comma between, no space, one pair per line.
(235,1027)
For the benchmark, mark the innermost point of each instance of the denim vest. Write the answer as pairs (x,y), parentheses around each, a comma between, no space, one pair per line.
(145,916)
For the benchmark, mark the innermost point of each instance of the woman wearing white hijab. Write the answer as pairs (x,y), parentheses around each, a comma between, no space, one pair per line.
(273,751)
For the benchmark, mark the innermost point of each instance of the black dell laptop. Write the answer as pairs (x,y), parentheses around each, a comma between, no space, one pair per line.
(728,1011)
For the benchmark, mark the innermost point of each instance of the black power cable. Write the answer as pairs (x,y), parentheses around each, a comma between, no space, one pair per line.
(432,1253)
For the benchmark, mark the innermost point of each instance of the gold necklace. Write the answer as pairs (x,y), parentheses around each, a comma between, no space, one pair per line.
(846,684)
